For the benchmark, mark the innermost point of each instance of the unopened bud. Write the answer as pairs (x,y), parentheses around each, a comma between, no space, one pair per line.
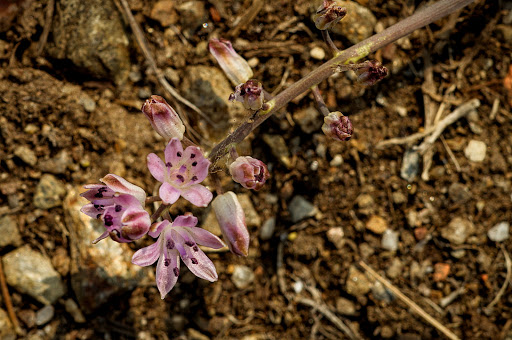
(234,66)
(328,15)
(163,118)
(232,224)
(250,94)
(250,172)
(337,126)
(370,72)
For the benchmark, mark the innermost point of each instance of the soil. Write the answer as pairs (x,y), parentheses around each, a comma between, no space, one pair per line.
(58,108)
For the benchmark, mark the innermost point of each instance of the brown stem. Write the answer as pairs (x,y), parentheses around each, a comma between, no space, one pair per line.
(320,101)
(159,212)
(329,42)
(8,302)
(352,54)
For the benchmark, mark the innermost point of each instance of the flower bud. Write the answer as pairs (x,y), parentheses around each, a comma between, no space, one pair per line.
(337,126)
(234,66)
(231,219)
(250,94)
(370,72)
(328,15)
(250,172)
(163,118)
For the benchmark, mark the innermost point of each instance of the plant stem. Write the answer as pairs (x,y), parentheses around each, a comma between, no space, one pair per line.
(320,101)
(351,55)
(329,42)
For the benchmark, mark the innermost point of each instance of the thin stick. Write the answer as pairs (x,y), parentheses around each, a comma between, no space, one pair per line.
(320,101)
(459,112)
(47,26)
(8,302)
(508,264)
(449,334)
(143,44)
(452,156)
(495,107)
(329,42)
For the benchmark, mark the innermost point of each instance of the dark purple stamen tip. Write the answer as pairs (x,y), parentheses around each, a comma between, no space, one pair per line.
(180,177)
(176,271)
(178,154)
(194,260)
(167,262)
(109,220)
(98,216)
(195,248)
(118,208)
(99,194)
(194,163)
(194,178)
(193,155)
(168,164)
(189,243)
(169,244)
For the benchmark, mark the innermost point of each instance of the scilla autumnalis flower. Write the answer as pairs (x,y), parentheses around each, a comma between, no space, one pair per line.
(163,118)
(337,126)
(178,239)
(181,174)
(120,205)
(231,218)
(250,172)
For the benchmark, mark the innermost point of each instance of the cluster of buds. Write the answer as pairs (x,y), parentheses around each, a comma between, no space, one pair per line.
(250,94)
(337,126)
(370,72)
(328,15)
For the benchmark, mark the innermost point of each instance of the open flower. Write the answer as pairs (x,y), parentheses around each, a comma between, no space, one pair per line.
(163,118)
(232,224)
(181,174)
(120,205)
(250,172)
(178,239)
(234,66)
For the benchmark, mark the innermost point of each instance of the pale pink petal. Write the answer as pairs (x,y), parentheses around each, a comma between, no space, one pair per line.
(136,223)
(157,227)
(193,257)
(122,186)
(167,272)
(97,191)
(147,255)
(231,218)
(102,236)
(197,194)
(185,221)
(205,238)
(173,152)
(92,210)
(168,193)
(157,167)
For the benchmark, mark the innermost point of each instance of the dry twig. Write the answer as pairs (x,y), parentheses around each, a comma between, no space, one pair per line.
(8,302)
(411,304)
(508,264)
(249,15)
(47,25)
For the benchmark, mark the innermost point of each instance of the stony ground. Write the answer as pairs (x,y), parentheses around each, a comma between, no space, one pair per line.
(436,225)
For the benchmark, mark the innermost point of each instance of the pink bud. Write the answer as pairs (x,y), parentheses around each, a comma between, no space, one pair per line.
(231,219)
(250,94)
(370,72)
(250,172)
(328,15)
(163,118)
(337,126)
(234,66)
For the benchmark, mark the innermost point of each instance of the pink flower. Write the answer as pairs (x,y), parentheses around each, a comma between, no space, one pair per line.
(231,219)
(175,240)
(234,66)
(370,72)
(163,118)
(337,126)
(120,205)
(181,174)
(250,172)
(250,94)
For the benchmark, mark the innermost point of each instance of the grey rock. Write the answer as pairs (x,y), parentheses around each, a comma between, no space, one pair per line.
(500,232)
(98,271)
(345,306)
(192,15)
(410,165)
(390,240)
(26,155)
(309,119)
(91,35)
(75,312)
(357,283)
(32,273)
(382,293)
(9,231)
(56,165)
(475,151)
(209,89)
(242,276)
(267,229)
(44,315)
(278,148)
(49,192)
(459,193)
(336,236)
(300,208)
(6,328)
(458,230)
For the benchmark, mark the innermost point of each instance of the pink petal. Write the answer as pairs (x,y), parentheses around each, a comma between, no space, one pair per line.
(91,211)
(136,223)
(195,259)
(122,186)
(148,255)
(156,167)
(197,194)
(185,221)
(94,194)
(205,238)
(168,193)
(102,236)
(167,276)
(173,152)
(157,227)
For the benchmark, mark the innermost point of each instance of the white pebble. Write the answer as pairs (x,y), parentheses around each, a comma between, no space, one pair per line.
(298,286)
(500,232)
(336,161)
(390,240)
(317,53)
(475,151)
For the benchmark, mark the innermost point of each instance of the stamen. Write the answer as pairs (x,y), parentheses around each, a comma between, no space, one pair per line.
(194,163)
(118,208)
(180,177)
(109,220)
(195,248)
(178,154)
(194,260)
(194,178)
(176,271)
(189,243)
(193,155)
(169,244)
(168,164)
(167,262)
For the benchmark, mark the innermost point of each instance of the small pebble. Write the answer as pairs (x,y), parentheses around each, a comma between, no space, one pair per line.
(298,286)
(253,62)
(9,231)
(26,155)
(345,306)
(475,151)
(500,232)
(73,309)
(394,270)
(267,229)
(390,240)
(88,103)
(242,276)
(44,315)
(300,208)
(336,236)
(336,161)
(410,165)
(49,192)
(458,230)
(377,224)
(317,53)
(357,283)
